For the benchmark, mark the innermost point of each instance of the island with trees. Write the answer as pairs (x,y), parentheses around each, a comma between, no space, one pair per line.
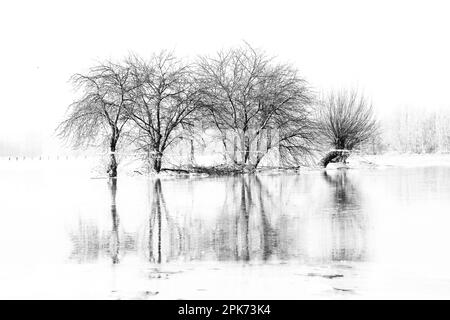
(247,108)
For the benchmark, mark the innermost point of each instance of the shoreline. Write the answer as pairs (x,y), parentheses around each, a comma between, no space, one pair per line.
(93,167)
(381,161)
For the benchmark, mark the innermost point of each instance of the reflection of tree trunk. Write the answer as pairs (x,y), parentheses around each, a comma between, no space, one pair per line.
(245,215)
(267,230)
(172,225)
(156,209)
(342,189)
(236,224)
(159,235)
(347,222)
(151,222)
(114,241)
(174,233)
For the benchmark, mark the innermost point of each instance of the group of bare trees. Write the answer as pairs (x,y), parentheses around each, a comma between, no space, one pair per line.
(146,103)
(245,93)
(241,93)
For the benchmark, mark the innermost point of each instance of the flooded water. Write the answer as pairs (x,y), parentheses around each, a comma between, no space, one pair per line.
(369,233)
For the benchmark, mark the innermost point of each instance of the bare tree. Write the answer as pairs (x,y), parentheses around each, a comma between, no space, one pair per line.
(346,121)
(244,93)
(164,103)
(99,116)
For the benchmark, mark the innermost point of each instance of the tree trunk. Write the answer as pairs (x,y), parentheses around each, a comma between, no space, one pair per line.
(234,150)
(225,150)
(112,168)
(280,155)
(245,149)
(192,155)
(156,162)
(334,156)
(258,150)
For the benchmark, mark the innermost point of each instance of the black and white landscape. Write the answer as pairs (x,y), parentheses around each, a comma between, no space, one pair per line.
(235,150)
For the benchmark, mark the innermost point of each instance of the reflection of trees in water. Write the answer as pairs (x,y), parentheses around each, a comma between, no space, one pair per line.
(269,235)
(250,225)
(347,221)
(163,235)
(155,223)
(241,231)
(85,242)
(225,232)
(172,233)
(89,243)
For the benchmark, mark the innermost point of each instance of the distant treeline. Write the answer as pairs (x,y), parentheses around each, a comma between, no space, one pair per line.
(412,130)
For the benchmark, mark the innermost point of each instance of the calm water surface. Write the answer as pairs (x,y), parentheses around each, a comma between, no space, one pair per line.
(379,233)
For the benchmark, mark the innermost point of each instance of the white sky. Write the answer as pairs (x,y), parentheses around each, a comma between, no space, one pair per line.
(397,52)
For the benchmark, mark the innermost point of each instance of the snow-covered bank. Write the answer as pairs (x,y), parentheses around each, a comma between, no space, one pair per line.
(355,161)
(95,167)
(398,160)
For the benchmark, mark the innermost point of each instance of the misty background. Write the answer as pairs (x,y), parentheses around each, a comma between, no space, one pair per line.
(396,53)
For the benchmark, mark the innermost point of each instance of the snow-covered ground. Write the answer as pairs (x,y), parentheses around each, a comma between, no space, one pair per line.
(399,160)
